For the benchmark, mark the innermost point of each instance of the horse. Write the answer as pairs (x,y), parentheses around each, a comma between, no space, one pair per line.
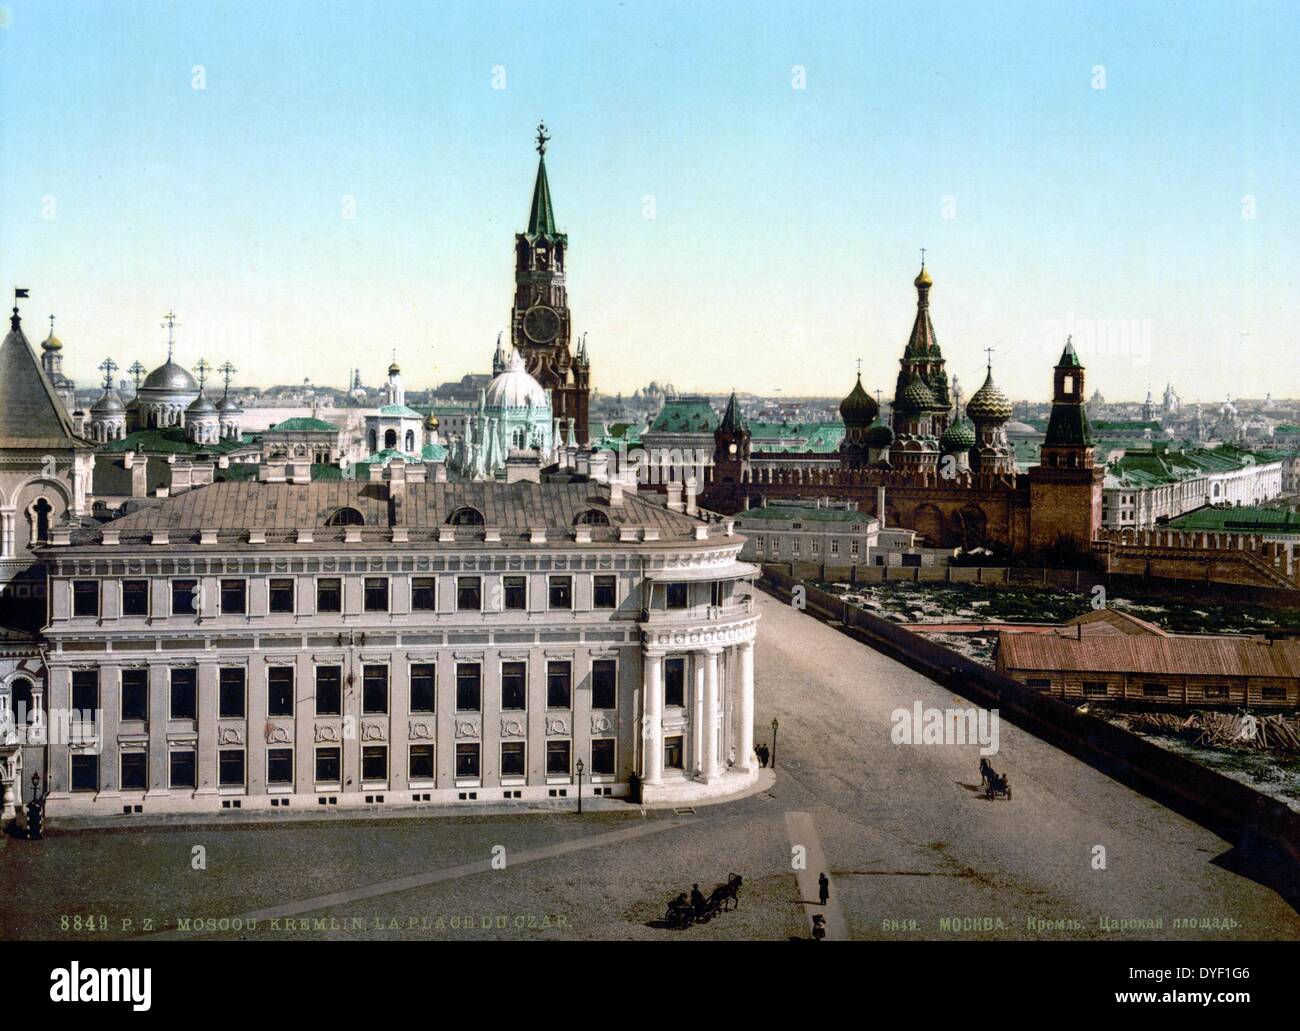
(728,895)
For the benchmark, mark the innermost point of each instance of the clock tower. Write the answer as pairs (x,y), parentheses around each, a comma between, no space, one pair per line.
(540,326)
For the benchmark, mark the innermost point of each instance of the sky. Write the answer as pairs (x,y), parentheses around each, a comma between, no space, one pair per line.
(746,187)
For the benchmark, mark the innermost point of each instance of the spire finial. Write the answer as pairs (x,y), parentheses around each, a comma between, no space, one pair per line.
(107,367)
(170,324)
(202,367)
(543,137)
(51,325)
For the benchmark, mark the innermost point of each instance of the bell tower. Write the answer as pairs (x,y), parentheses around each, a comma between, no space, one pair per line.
(540,324)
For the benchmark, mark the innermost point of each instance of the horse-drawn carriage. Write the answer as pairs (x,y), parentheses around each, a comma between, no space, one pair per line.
(700,908)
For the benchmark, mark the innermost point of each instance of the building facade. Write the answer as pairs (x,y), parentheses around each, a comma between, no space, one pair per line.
(260,645)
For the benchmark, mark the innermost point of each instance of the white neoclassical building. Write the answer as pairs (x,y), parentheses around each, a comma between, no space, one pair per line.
(393,642)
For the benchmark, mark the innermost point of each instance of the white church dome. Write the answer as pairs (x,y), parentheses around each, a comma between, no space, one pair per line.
(514,388)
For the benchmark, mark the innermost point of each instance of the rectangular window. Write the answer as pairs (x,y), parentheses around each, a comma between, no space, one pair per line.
(181,770)
(374,693)
(279,691)
(604,592)
(135,771)
(374,762)
(279,765)
(234,597)
(1216,691)
(1094,688)
(1155,691)
(420,766)
(327,766)
(512,759)
(561,592)
(675,681)
(1038,684)
(424,594)
(673,753)
(376,594)
(853,549)
(557,758)
(1273,694)
(329,594)
(602,756)
(516,592)
(85,771)
(230,702)
(281,595)
(469,594)
(604,684)
(185,693)
(678,595)
(135,694)
(185,597)
(329,690)
(85,692)
(85,597)
(514,685)
(469,687)
(422,684)
(230,767)
(135,597)
(467,754)
(835,546)
(559,685)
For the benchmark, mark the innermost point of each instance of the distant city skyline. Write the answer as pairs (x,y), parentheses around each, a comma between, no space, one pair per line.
(314,188)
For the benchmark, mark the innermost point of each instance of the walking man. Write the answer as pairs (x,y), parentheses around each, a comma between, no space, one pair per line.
(823,887)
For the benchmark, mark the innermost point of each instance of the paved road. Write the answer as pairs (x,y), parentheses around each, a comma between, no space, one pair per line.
(905,838)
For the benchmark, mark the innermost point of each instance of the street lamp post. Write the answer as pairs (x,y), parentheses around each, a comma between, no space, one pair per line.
(581,767)
(775,724)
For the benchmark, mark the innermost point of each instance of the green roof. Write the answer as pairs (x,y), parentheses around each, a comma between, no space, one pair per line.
(733,419)
(810,513)
(172,441)
(1102,425)
(399,412)
(304,424)
(819,437)
(1239,520)
(686,415)
(1068,426)
(541,216)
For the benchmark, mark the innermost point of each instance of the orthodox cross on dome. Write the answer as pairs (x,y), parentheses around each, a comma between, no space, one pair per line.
(202,368)
(137,370)
(543,137)
(859,368)
(107,367)
(51,325)
(988,355)
(170,325)
(227,371)
(922,257)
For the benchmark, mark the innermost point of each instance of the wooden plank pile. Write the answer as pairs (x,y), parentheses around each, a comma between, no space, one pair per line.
(1273,733)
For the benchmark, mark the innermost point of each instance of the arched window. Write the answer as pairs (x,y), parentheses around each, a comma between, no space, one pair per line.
(390,438)
(466,517)
(592,517)
(374,442)
(345,517)
(41,511)
(20,699)
(410,441)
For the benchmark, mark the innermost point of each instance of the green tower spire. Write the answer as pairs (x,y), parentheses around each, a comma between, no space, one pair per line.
(541,219)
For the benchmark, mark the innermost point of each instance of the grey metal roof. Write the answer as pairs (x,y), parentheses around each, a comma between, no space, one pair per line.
(31,415)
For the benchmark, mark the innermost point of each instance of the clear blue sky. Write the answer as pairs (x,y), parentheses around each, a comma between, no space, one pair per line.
(787,222)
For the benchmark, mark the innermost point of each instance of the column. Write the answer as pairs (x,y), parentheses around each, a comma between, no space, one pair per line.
(746,749)
(712,766)
(652,719)
(7,536)
(206,747)
(698,724)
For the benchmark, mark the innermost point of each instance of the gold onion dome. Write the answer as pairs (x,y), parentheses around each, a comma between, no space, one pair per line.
(989,404)
(957,437)
(52,343)
(859,408)
(394,369)
(923,278)
(430,422)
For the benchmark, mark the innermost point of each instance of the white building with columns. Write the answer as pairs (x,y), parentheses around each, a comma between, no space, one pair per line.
(397,642)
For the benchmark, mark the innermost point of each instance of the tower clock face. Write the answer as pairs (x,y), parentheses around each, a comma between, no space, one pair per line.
(541,324)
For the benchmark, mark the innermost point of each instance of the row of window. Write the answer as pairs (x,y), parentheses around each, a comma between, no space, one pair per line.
(186,595)
(232,764)
(232,693)
(1098,688)
(761,543)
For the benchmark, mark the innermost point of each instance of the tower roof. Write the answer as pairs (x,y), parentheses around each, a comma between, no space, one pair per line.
(923,343)
(1069,359)
(541,217)
(733,420)
(31,415)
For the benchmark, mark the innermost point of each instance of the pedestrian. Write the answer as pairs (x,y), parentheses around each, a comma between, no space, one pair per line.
(818,927)
(731,757)
(823,887)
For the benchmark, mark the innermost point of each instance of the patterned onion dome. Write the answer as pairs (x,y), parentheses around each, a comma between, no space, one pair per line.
(859,408)
(879,435)
(916,396)
(989,404)
(960,436)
